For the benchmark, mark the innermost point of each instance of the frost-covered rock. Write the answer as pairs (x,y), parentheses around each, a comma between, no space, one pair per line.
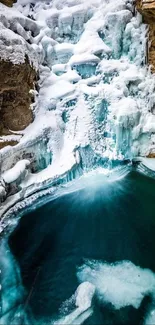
(15,31)
(16,173)
(18,71)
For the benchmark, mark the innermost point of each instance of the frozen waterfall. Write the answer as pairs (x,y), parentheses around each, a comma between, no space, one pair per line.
(74,250)
(95,89)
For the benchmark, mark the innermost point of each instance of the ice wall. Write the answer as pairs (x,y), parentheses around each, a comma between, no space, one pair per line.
(93,75)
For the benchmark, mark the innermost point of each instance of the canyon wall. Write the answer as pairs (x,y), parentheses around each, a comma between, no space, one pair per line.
(16,80)
(17,75)
(147,10)
(8,3)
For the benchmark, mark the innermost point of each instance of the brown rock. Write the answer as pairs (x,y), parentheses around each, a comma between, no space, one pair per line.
(8,3)
(7,143)
(147,10)
(151,155)
(16,80)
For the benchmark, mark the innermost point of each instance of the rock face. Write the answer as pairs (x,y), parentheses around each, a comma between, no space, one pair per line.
(8,3)
(17,74)
(16,80)
(147,10)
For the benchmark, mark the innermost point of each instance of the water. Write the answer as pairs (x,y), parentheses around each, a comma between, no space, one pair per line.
(103,235)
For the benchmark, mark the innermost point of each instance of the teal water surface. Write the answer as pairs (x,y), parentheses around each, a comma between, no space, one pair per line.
(107,222)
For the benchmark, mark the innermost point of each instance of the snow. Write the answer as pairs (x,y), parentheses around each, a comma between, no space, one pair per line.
(15,31)
(15,172)
(85,58)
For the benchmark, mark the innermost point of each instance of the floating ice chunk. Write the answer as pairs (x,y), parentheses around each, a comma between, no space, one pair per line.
(16,172)
(121,284)
(85,293)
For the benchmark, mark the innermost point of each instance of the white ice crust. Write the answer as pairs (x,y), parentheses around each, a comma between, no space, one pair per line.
(83,301)
(121,284)
(16,172)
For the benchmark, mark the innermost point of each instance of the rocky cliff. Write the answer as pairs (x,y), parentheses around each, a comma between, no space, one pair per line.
(8,3)
(147,10)
(17,75)
(16,80)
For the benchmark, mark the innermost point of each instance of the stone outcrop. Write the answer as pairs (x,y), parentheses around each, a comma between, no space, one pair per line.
(147,10)
(8,3)
(16,80)
(18,74)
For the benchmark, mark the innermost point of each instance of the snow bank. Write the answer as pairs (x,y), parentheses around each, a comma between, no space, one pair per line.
(16,172)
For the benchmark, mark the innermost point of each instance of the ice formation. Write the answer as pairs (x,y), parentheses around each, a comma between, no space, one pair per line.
(121,284)
(18,171)
(93,78)
(15,35)
(96,95)
(83,302)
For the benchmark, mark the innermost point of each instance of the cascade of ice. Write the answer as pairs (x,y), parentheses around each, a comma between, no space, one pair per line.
(95,90)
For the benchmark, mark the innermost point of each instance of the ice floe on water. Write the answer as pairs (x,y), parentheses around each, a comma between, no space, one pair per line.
(121,284)
(83,302)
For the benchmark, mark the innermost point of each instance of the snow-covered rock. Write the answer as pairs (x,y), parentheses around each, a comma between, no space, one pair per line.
(16,173)
(15,31)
